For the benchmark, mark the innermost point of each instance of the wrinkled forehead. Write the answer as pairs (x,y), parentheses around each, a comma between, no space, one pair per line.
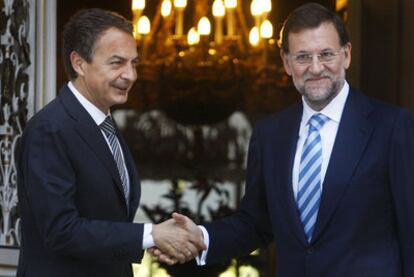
(323,37)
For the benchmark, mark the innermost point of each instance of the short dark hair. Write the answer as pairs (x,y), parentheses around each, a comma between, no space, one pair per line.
(84,29)
(309,16)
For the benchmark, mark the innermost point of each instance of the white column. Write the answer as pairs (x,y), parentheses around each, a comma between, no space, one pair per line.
(44,53)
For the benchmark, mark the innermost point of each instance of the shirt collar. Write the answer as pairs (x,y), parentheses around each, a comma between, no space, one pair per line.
(333,110)
(97,115)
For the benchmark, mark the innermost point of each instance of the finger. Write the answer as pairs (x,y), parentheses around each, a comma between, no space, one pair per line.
(171,262)
(198,240)
(192,251)
(201,246)
(179,218)
(167,259)
(173,252)
(160,256)
(181,258)
(182,251)
(178,255)
(188,255)
(157,252)
(196,233)
(151,251)
(169,250)
(189,250)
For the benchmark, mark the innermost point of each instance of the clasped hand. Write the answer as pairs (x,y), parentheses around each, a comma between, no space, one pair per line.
(177,240)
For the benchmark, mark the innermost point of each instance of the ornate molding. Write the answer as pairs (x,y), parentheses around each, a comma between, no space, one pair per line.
(14,87)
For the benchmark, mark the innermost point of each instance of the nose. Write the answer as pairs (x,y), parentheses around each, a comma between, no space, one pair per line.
(316,66)
(130,72)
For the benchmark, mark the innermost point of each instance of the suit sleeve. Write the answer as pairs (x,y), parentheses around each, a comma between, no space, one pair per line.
(48,185)
(250,227)
(402,186)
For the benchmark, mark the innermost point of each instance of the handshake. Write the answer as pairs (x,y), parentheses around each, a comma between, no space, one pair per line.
(178,239)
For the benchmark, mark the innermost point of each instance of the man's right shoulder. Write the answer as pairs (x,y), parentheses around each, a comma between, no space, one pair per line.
(281,117)
(52,114)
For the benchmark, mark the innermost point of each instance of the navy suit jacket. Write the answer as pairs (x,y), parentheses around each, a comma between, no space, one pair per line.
(365,225)
(75,221)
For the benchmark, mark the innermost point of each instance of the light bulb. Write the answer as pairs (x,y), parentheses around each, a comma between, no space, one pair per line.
(266,29)
(144,25)
(204,26)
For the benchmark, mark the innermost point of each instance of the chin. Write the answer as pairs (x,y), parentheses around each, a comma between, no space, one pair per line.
(120,100)
(316,93)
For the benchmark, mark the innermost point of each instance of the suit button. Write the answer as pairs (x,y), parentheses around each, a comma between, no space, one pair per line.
(309,250)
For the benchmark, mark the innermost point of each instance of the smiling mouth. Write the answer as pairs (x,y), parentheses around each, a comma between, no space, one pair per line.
(124,89)
(121,85)
(316,79)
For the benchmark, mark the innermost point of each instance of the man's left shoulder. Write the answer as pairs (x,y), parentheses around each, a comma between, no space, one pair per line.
(385,116)
(374,106)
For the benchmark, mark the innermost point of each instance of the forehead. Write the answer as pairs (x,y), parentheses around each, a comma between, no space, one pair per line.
(322,37)
(115,42)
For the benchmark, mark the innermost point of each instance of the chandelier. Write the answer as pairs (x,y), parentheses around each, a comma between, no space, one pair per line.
(200,60)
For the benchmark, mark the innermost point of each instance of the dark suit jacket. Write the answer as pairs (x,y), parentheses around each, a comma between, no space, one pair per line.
(365,225)
(75,221)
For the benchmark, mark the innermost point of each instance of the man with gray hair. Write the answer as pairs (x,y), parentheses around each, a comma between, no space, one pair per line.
(329,180)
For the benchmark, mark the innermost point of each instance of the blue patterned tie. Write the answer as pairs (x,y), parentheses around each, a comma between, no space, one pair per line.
(309,189)
(109,130)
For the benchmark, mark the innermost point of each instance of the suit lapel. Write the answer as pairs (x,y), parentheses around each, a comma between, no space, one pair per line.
(91,134)
(353,134)
(284,151)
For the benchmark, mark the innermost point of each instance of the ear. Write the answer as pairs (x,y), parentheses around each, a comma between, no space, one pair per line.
(286,62)
(347,53)
(78,63)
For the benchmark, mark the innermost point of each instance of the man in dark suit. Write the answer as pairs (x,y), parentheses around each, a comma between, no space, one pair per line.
(77,182)
(329,180)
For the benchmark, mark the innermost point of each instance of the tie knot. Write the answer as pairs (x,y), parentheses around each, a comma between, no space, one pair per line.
(317,121)
(108,126)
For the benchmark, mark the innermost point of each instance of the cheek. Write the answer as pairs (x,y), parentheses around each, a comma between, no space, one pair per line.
(336,70)
(109,78)
(298,73)
(286,64)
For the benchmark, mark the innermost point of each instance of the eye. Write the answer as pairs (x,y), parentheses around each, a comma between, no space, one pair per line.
(327,55)
(303,57)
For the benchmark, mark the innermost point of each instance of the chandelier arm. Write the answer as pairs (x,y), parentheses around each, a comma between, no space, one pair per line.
(243,25)
(157,23)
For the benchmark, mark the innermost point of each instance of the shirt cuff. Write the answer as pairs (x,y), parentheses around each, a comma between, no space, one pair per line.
(147,240)
(201,259)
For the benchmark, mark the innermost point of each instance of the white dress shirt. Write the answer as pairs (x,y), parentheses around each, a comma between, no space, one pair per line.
(328,134)
(98,116)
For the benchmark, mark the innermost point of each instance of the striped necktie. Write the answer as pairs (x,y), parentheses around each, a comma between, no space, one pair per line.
(109,130)
(309,189)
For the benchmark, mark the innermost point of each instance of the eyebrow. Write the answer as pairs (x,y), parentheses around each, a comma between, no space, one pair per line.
(117,57)
(305,52)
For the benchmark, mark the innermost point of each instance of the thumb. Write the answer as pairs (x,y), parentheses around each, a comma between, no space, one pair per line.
(179,218)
